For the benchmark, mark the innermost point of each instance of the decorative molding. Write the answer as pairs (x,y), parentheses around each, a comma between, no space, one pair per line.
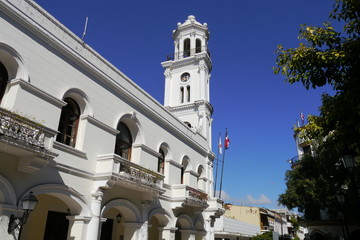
(37,92)
(100,124)
(72,171)
(147,149)
(173,163)
(70,150)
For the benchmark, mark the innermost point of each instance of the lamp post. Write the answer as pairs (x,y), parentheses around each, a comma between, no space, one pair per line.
(341,199)
(349,163)
(29,203)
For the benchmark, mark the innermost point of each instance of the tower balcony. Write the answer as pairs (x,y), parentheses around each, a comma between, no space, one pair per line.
(27,140)
(186,196)
(113,169)
(187,53)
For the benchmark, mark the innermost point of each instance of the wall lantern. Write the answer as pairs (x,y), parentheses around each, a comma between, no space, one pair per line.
(118,218)
(29,203)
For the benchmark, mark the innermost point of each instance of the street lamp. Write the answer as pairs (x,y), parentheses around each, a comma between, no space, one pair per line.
(29,203)
(348,161)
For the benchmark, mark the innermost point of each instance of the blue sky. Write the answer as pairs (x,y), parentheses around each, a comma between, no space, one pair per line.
(256,106)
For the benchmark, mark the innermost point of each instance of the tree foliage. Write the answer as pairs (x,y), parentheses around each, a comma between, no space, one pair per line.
(264,236)
(326,57)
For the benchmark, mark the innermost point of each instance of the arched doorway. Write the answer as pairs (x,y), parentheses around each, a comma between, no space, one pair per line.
(123,220)
(185,227)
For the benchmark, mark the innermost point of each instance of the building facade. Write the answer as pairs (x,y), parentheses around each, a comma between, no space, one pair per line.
(101,157)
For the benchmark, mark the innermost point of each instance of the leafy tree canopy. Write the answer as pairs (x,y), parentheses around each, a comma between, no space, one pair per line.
(326,57)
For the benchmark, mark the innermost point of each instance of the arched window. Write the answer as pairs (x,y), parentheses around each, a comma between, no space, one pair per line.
(188,93)
(4,77)
(161,162)
(198,46)
(182,94)
(68,124)
(187,47)
(124,141)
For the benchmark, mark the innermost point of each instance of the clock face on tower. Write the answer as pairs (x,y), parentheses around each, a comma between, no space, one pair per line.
(185,77)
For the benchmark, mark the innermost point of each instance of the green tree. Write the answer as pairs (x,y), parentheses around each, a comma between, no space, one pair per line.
(264,236)
(326,57)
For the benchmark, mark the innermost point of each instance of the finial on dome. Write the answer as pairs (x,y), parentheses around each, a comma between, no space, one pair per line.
(191,18)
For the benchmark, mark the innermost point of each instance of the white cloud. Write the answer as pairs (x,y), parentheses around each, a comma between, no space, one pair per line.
(224,196)
(249,200)
(263,199)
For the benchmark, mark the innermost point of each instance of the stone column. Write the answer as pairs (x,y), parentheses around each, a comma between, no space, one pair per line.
(76,227)
(132,231)
(94,224)
(209,229)
(168,233)
(144,230)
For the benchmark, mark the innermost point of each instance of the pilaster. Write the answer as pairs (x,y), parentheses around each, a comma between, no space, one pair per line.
(94,224)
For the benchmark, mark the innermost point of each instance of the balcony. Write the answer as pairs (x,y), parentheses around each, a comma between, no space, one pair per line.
(294,161)
(185,196)
(187,53)
(112,168)
(27,140)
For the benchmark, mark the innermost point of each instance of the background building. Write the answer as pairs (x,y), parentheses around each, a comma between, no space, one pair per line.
(101,157)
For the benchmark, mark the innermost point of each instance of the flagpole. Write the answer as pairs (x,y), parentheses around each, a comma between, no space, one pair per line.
(222,171)
(217,165)
(226,142)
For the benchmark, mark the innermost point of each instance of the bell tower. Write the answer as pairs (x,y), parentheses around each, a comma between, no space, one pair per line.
(187,77)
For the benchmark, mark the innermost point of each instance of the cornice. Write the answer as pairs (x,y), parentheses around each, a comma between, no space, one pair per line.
(190,28)
(147,149)
(100,124)
(37,92)
(70,150)
(176,164)
(191,106)
(43,25)
(188,61)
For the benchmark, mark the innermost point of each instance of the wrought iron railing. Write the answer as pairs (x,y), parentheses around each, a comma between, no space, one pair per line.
(196,198)
(187,53)
(139,174)
(196,194)
(23,132)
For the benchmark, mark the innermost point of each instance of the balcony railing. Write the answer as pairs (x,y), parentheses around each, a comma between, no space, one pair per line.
(188,196)
(294,160)
(187,53)
(26,134)
(124,170)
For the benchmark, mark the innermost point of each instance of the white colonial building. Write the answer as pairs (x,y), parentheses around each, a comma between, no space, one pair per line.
(97,154)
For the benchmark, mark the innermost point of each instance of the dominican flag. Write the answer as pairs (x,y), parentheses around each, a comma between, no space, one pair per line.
(302,118)
(220,145)
(227,140)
